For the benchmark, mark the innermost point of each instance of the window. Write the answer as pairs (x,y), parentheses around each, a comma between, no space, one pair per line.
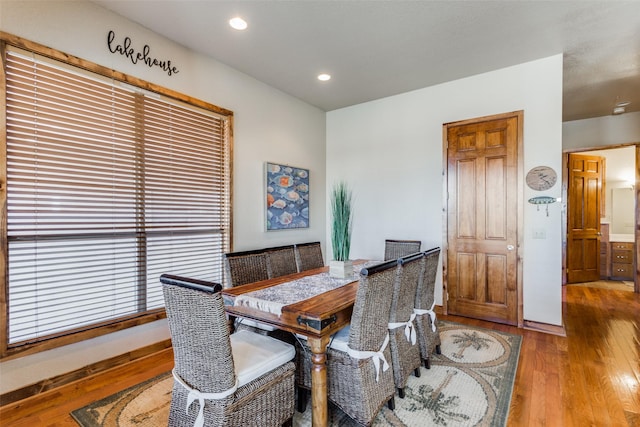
(107,187)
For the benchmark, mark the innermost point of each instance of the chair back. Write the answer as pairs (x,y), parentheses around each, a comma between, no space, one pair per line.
(188,282)
(425,294)
(370,316)
(199,333)
(309,256)
(394,249)
(282,261)
(404,290)
(246,267)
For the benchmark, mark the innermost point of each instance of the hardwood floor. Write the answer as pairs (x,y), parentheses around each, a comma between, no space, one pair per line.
(589,378)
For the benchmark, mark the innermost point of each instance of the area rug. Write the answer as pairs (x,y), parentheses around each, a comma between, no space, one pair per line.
(469,384)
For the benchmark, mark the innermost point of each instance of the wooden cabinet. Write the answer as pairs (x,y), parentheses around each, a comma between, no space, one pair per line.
(616,257)
(622,257)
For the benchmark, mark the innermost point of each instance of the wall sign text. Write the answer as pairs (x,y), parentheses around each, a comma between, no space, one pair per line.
(136,56)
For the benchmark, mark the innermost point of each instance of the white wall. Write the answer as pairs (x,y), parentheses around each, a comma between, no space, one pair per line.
(390,152)
(601,131)
(269,126)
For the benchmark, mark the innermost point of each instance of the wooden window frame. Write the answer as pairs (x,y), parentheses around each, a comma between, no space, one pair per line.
(8,352)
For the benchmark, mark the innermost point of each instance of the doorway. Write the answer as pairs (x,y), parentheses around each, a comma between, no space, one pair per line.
(617,249)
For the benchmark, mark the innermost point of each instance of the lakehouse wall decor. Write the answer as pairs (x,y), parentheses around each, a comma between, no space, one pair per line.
(287,194)
(135,56)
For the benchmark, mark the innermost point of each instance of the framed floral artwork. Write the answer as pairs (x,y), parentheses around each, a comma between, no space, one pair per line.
(287,193)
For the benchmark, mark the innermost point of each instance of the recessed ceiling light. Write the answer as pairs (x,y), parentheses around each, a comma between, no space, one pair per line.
(324,77)
(618,110)
(238,23)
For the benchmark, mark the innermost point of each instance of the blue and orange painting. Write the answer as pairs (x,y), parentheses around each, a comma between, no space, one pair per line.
(287,197)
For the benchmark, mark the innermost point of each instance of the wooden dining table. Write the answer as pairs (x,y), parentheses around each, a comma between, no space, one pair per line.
(316,318)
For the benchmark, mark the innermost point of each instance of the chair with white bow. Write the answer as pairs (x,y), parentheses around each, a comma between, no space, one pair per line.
(405,352)
(359,380)
(232,380)
(428,333)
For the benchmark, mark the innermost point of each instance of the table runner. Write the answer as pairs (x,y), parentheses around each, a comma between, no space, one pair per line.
(272,299)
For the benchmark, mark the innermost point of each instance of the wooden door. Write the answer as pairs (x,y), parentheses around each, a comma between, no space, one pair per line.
(482,218)
(583,217)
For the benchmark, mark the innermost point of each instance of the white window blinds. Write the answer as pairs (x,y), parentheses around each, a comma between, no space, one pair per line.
(107,188)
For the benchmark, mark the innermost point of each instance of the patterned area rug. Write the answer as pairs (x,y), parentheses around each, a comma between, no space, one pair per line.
(469,384)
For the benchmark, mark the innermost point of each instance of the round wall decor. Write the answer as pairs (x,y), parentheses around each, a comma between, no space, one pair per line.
(541,178)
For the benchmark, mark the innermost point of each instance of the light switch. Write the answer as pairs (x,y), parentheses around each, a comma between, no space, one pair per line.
(539,233)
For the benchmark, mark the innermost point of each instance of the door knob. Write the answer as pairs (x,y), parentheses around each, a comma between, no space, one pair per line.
(509,247)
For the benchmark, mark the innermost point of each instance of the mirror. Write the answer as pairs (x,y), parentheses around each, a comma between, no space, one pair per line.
(622,212)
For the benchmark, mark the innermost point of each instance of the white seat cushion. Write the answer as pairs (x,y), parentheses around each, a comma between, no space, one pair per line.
(255,324)
(255,355)
(340,341)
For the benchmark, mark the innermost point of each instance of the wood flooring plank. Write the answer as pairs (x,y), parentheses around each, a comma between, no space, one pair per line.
(552,393)
(537,415)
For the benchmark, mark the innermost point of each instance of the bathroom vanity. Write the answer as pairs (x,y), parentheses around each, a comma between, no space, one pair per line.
(617,254)
(622,257)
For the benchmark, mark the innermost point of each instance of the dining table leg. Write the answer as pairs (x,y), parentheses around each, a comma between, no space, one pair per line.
(319,399)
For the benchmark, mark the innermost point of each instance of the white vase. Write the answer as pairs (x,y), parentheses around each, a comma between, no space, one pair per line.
(341,269)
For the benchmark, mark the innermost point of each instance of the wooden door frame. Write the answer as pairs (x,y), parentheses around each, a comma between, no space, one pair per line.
(565,184)
(520,204)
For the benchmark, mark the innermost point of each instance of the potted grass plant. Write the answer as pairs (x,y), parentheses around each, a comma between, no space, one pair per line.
(341,216)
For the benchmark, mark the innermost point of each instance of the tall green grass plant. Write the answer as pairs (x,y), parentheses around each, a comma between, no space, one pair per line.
(341,211)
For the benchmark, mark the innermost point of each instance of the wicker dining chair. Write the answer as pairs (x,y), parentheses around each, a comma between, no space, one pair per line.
(354,382)
(309,256)
(246,267)
(394,249)
(281,261)
(427,327)
(220,379)
(405,352)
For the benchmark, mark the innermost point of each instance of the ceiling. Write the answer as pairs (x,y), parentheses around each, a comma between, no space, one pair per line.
(375,49)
